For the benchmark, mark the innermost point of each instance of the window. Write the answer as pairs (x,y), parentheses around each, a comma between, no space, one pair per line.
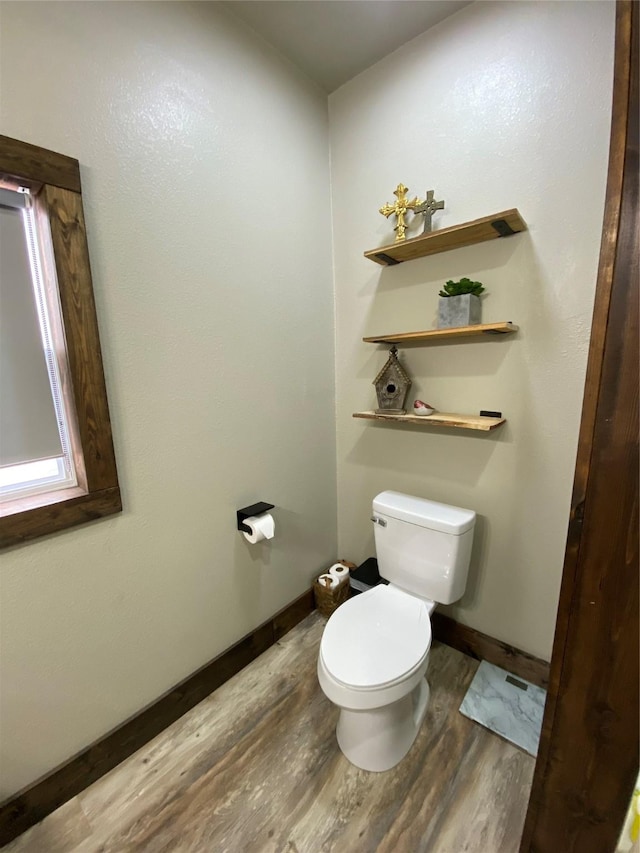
(35,452)
(57,465)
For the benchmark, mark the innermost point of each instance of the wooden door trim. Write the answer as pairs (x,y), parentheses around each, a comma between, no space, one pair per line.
(582,784)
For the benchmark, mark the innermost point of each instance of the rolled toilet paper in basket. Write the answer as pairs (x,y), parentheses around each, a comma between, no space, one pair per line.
(339,571)
(333,582)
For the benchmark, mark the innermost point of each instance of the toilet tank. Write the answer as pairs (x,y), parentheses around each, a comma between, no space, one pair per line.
(422,546)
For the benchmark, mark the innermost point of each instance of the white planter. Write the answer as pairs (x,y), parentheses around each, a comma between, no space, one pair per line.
(462,310)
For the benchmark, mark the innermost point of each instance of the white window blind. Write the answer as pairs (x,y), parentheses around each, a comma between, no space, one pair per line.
(31,415)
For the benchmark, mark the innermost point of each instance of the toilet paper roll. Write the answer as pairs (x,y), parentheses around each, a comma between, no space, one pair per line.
(333,582)
(339,571)
(261,526)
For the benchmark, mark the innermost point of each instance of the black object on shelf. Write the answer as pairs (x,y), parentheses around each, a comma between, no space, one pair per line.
(502,227)
(485,413)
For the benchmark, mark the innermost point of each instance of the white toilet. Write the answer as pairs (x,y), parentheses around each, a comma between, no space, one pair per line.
(375,647)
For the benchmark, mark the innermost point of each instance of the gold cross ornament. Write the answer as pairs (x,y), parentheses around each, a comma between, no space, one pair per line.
(399,209)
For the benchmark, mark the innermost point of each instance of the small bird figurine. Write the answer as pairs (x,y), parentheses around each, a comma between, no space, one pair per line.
(422,408)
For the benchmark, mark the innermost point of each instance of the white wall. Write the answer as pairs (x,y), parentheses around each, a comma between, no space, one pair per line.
(204,160)
(502,105)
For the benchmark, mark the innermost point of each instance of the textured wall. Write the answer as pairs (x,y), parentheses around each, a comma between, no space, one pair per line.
(502,105)
(215,306)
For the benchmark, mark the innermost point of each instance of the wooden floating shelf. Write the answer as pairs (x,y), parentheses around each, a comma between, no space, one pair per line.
(438,419)
(440,334)
(502,224)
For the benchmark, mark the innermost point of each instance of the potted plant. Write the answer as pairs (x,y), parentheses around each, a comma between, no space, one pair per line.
(459,303)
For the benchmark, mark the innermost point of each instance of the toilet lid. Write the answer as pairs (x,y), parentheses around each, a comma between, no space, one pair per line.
(376,637)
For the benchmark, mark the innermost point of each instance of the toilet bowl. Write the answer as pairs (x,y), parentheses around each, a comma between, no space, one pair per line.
(374,650)
(372,663)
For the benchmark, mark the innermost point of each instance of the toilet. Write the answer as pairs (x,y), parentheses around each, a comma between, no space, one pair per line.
(374,650)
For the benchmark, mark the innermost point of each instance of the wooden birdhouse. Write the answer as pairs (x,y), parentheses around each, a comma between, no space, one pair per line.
(392,386)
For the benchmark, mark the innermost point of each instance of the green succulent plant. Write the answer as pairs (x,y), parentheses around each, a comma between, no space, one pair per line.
(465,285)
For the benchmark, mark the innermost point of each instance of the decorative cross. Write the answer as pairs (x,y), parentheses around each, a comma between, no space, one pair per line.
(399,208)
(428,208)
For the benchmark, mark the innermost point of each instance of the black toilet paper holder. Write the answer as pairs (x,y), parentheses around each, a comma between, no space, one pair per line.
(248,512)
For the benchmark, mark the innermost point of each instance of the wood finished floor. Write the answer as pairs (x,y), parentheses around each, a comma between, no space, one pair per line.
(256,767)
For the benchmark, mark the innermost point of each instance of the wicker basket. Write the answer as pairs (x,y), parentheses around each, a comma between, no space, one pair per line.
(327,599)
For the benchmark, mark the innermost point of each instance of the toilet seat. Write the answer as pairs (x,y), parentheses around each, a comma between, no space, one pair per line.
(377,639)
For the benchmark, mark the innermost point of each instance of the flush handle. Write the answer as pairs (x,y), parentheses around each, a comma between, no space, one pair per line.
(379,521)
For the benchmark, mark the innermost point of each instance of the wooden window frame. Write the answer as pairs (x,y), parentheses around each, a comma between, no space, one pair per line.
(98,492)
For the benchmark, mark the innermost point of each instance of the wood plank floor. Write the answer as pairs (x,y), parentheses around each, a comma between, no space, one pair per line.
(256,767)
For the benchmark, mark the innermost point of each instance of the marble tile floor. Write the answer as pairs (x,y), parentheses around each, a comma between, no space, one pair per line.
(256,767)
